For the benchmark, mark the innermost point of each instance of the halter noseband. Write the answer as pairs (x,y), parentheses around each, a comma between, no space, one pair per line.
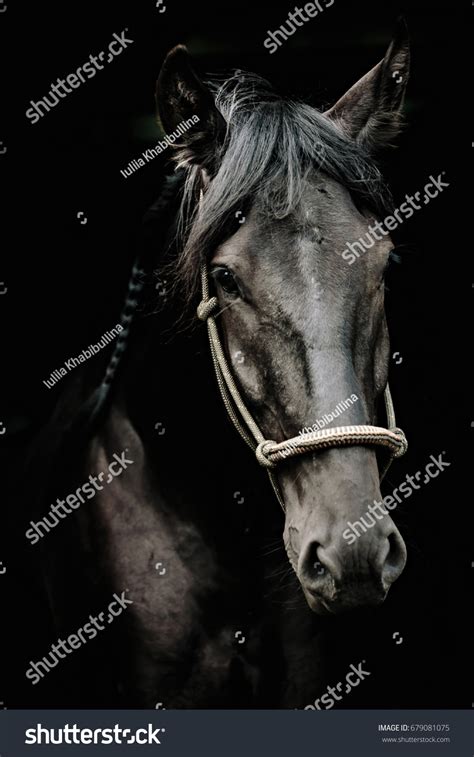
(268,452)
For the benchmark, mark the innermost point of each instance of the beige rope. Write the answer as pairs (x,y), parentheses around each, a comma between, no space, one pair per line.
(268,452)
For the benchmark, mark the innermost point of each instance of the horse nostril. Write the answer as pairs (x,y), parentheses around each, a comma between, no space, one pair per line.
(395,559)
(319,568)
(312,567)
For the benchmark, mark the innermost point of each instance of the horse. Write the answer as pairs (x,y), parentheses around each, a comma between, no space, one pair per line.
(223,610)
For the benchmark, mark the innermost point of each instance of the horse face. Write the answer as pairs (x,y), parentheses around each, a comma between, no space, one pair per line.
(304,328)
(307,340)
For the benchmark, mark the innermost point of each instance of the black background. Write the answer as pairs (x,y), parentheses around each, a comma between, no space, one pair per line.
(66,281)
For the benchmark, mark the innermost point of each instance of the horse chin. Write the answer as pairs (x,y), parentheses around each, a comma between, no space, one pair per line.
(322,605)
(325,598)
(317,604)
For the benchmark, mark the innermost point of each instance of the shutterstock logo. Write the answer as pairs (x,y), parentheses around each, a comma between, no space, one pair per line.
(88,490)
(72,734)
(353,250)
(377,511)
(295,19)
(329,699)
(61,88)
(63,647)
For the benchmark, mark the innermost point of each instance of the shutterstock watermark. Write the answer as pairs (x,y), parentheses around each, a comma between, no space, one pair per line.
(60,90)
(85,633)
(294,20)
(89,489)
(377,511)
(341,407)
(354,250)
(328,699)
(153,152)
(73,734)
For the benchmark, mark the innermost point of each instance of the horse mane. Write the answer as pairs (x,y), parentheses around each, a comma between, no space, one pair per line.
(270,146)
(152,239)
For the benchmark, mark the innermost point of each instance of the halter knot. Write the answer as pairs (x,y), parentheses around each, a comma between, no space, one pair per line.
(261,453)
(206,307)
(403,441)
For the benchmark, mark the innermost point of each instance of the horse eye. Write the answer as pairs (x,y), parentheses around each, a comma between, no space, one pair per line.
(226,281)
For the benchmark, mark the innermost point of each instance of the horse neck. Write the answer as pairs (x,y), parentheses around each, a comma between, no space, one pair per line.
(203,469)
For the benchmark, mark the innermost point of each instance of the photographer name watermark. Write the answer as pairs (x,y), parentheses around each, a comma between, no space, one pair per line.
(74,362)
(341,407)
(153,152)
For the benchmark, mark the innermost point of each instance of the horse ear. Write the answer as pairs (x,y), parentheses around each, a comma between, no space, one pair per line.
(180,96)
(371,111)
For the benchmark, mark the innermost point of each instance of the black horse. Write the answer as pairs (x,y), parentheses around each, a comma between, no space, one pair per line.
(268,192)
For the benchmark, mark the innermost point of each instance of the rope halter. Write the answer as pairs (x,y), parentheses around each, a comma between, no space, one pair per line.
(269,453)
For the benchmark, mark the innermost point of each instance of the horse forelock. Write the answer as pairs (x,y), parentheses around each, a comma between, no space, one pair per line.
(270,146)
